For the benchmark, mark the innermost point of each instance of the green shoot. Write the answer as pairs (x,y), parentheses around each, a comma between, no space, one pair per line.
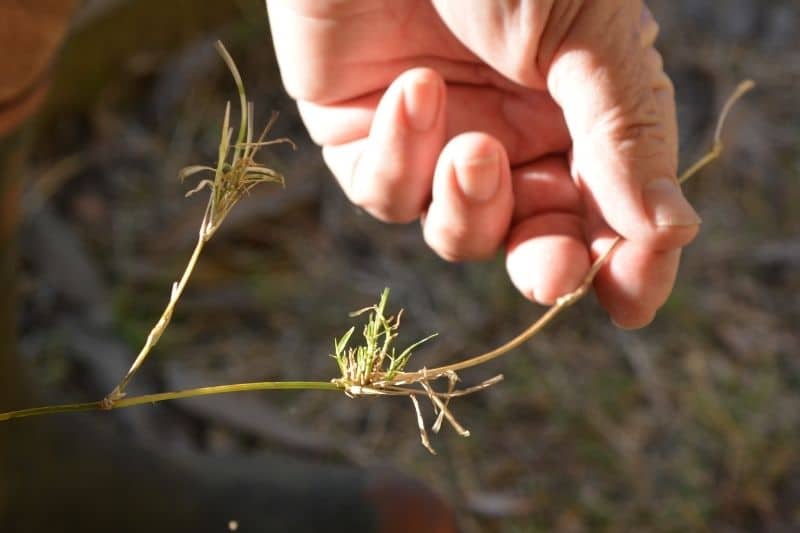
(377,358)
(373,367)
(231,181)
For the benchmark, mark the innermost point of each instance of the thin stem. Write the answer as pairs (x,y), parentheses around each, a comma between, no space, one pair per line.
(743,88)
(562,303)
(716,149)
(698,165)
(155,334)
(176,395)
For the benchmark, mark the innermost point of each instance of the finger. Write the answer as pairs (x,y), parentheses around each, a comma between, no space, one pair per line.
(543,186)
(546,252)
(547,256)
(635,282)
(528,123)
(472,200)
(390,173)
(342,122)
(619,107)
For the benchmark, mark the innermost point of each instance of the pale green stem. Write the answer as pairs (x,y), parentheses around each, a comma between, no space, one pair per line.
(561,304)
(161,325)
(176,395)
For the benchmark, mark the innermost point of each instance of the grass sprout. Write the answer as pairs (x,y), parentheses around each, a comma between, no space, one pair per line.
(373,368)
(235,174)
(377,358)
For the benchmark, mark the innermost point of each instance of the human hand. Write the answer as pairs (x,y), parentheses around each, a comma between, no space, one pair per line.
(547,126)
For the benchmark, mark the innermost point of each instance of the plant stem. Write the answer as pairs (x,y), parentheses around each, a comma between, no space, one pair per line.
(717,146)
(155,334)
(562,303)
(175,395)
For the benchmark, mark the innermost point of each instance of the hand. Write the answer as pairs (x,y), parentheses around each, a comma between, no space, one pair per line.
(547,126)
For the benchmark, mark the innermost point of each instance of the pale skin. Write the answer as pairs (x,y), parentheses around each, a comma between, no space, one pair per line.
(543,127)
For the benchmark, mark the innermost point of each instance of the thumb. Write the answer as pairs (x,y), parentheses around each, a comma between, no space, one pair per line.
(620,110)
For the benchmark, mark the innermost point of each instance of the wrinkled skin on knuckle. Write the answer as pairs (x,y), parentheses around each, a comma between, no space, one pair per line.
(639,126)
(634,124)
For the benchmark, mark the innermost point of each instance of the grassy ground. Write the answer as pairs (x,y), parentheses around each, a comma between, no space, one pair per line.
(691,424)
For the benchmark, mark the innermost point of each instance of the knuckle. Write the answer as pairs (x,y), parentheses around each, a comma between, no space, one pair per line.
(635,126)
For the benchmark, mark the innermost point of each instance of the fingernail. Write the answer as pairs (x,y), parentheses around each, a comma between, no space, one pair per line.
(422,100)
(479,177)
(667,206)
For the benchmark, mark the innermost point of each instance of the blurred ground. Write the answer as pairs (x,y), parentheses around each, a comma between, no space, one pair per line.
(691,424)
